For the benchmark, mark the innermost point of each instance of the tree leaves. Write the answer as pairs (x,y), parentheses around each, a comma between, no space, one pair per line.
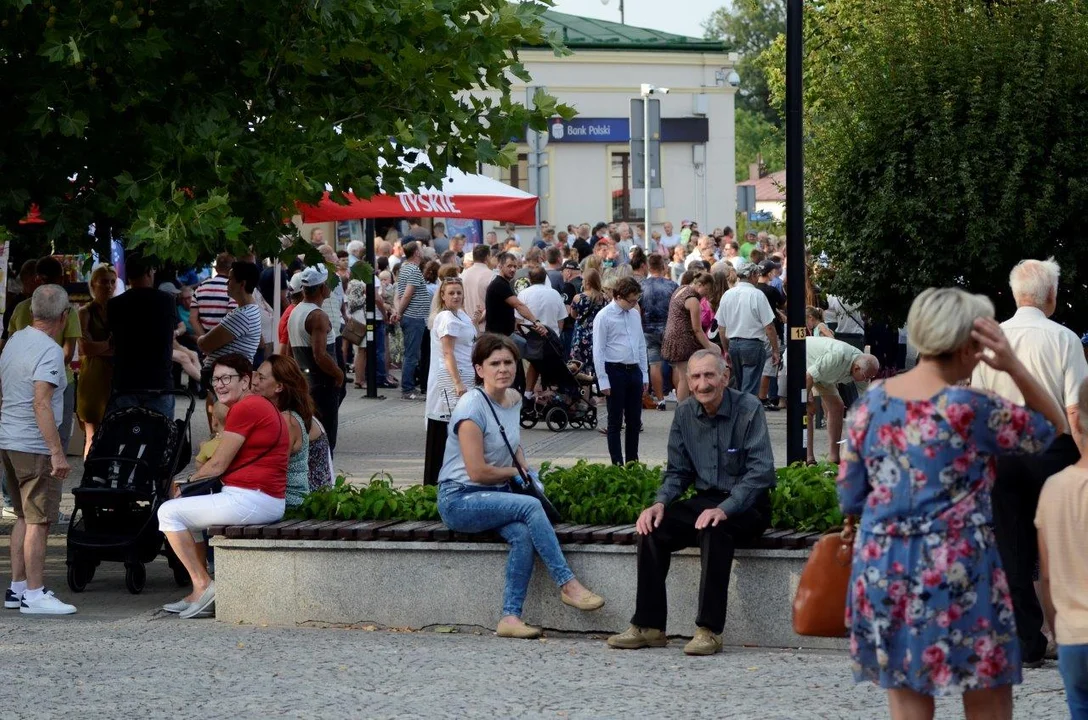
(946,141)
(249,105)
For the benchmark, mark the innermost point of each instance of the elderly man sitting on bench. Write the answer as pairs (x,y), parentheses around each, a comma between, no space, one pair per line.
(832,363)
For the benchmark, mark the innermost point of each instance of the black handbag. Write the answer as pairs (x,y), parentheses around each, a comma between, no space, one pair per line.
(526,483)
(214,484)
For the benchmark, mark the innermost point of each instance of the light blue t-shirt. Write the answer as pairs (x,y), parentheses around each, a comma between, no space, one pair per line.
(29,356)
(473,406)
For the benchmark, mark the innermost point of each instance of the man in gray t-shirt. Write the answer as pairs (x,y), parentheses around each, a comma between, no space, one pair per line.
(32,375)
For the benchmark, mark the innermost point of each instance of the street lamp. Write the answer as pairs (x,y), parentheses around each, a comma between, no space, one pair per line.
(646,91)
(622,22)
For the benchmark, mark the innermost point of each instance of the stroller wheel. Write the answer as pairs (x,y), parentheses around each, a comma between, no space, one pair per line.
(529,419)
(135,577)
(79,574)
(556,419)
(591,418)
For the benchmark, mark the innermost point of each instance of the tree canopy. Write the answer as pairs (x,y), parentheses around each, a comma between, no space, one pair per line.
(192,126)
(946,140)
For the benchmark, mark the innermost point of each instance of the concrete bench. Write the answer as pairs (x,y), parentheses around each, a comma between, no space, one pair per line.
(410,574)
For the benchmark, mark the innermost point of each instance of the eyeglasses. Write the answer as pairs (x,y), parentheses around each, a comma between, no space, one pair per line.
(224,379)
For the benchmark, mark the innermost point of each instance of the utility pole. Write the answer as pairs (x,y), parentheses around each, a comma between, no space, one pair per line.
(796,414)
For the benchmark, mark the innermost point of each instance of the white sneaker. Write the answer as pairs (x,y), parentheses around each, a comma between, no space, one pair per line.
(46,604)
(8,514)
(671,397)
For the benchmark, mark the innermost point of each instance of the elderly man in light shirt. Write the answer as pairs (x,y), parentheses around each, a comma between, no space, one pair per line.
(476,278)
(745,325)
(1053,355)
(832,363)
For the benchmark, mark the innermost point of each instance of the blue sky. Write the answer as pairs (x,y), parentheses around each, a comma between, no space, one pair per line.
(683,17)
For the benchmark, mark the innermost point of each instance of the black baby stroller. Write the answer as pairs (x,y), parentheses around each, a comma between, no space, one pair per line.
(568,393)
(128,472)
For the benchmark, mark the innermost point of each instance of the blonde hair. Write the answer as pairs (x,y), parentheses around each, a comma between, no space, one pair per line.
(437,303)
(219,415)
(941,319)
(1034,281)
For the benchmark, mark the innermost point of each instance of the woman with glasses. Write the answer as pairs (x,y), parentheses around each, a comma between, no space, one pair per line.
(251,460)
(452,336)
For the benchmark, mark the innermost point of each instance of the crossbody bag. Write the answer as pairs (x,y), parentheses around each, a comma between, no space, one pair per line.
(526,483)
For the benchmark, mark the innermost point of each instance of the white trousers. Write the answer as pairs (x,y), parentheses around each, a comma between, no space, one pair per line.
(231,506)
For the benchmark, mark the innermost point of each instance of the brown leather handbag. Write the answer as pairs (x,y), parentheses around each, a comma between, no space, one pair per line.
(819,607)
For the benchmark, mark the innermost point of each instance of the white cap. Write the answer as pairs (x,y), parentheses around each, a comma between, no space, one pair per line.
(314,275)
(295,283)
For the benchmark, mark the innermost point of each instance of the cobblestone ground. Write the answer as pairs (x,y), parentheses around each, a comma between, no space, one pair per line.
(160,667)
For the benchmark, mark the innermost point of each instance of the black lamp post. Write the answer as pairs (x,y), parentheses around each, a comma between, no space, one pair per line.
(795,238)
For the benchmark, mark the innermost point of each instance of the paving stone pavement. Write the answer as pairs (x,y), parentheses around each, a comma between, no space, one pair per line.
(151,666)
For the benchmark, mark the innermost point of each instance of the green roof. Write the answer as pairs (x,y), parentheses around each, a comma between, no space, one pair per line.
(589,33)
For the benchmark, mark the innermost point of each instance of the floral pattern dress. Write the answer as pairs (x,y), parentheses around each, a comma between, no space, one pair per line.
(581,346)
(929,607)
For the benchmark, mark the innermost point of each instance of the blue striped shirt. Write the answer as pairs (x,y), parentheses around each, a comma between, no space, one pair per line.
(729,452)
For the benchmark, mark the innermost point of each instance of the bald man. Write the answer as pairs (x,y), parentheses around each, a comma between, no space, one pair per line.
(831,363)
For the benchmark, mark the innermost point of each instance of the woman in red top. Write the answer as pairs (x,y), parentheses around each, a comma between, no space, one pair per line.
(252,460)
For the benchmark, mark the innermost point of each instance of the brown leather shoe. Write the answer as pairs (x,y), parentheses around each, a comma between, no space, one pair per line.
(704,643)
(518,630)
(636,638)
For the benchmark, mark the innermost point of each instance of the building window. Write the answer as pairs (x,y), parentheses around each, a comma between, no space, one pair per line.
(517,175)
(620,187)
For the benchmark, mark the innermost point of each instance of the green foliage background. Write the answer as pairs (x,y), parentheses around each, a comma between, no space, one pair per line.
(194,125)
(946,140)
(586,494)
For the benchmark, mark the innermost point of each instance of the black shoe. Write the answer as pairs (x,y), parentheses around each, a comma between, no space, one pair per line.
(11,600)
(1034,664)
(771,406)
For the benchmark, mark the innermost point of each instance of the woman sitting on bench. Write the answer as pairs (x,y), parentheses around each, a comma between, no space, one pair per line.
(474,484)
(251,459)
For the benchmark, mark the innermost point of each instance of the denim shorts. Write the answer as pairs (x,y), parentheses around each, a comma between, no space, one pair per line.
(653,347)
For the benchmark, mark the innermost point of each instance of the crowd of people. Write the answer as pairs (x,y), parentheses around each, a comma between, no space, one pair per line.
(966,556)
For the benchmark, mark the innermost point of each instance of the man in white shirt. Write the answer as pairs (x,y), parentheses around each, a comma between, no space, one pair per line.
(850,326)
(668,240)
(745,323)
(619,358)
(476,279)
(545,302)
(1053,355)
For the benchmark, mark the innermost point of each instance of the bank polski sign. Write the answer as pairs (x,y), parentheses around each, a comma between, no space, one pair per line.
(590,130)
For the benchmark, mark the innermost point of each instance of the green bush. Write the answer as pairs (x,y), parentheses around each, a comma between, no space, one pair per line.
(805,498)
(585,494)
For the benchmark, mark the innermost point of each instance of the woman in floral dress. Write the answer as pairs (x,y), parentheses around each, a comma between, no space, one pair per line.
(929,609)
(584,309)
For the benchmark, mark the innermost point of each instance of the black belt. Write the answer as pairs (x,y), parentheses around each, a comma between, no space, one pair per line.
(622,366)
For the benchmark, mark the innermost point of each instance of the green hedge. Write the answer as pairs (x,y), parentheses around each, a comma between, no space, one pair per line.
(586,494)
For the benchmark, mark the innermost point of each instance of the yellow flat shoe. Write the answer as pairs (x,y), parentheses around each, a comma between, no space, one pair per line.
(520,631)
(588,601)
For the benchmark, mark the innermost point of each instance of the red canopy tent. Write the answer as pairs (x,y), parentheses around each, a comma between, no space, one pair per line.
(473,197)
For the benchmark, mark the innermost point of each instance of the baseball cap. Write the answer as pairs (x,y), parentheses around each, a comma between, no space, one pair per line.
(571,265)
(295,283)
(314,275)
(685,223)
(171,288)
(768,266)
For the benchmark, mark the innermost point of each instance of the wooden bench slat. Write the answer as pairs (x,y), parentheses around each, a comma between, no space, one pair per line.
(311,531)
(811,539)
(403,531)
(441,533)
(373,528)
(627,536)
(566,534)
(427,531)
(355,531)
(582,533)
(272,532)
(294,532)
(235,531)
(794,540)
(330,531)
(604,534)
(216,530)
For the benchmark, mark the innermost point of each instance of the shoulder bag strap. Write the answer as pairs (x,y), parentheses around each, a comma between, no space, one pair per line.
(502,431)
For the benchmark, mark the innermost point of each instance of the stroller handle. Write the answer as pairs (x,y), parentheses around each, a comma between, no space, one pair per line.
(159,393)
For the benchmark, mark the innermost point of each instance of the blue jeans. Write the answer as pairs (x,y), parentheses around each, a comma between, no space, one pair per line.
(749,357)
(160,403)
(414,330)
(522,523)
(1073,665)
(379,352)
